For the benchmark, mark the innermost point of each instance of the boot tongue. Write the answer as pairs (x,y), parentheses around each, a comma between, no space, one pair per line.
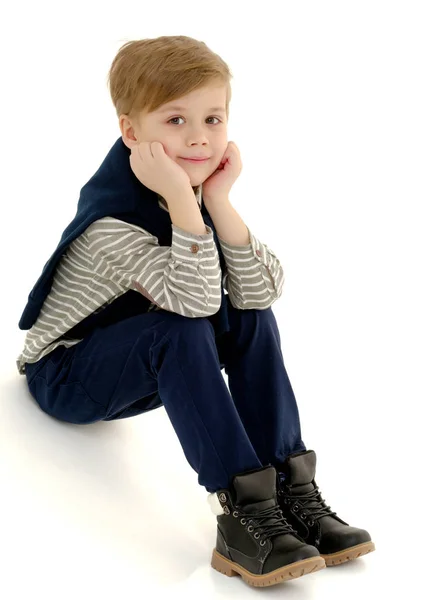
(299,469)
(255,492)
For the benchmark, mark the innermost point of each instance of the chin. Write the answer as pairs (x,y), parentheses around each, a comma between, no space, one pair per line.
(196,181)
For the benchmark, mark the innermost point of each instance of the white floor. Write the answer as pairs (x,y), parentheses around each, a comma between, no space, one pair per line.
(113,509)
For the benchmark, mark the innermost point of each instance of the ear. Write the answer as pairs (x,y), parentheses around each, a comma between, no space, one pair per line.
(128,133)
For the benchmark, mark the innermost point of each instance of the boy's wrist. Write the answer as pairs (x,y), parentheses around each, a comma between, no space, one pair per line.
(178,194)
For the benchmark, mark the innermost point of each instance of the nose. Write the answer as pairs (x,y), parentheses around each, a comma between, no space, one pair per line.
(197,136)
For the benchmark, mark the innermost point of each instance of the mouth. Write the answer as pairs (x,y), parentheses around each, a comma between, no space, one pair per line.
(195,160)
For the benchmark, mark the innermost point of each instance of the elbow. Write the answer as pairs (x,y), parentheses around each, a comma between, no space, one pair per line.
(214,303)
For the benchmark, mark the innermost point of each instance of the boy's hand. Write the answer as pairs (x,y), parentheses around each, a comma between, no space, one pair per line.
(156,170)
(219,184)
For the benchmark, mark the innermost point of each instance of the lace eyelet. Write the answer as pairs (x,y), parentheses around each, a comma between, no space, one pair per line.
(250,528)
(262,543)
(310,523)
(257,535)
(235,513)
(295,508)
(303,515)
(243,521)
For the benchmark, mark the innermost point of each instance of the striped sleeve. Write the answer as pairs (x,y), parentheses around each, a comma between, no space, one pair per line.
(184,278)
(254,275)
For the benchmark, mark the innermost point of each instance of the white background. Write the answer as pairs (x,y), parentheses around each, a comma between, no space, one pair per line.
(329,111)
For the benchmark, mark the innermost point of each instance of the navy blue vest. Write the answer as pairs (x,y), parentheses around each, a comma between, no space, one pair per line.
(115,191)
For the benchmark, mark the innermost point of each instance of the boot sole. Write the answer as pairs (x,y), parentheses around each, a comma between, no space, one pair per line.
(292,571)
(348,554)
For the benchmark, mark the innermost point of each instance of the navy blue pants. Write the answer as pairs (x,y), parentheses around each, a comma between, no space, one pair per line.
(162,358)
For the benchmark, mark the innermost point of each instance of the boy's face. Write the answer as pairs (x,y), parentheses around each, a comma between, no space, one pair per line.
(197,130)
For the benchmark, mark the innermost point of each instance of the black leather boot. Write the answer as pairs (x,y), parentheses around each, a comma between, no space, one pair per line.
(253,539)
(302,505)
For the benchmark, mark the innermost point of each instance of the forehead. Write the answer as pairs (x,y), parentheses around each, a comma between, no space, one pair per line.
(168,107)
(210,98)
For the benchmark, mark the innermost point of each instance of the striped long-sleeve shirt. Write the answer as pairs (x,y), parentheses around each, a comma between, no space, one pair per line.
(112,256)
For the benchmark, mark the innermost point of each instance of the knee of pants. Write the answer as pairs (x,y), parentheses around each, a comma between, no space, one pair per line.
(250,315)
(192,328)
(265,313)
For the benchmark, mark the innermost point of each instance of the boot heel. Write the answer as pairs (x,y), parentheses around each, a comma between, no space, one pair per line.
(221,564)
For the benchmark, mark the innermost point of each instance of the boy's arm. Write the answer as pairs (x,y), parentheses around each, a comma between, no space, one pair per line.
(254,277)
(184,278)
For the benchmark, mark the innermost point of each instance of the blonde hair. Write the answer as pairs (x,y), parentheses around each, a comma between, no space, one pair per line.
(148,73)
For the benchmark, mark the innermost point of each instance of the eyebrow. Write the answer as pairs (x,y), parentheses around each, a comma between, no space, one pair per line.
(183,109)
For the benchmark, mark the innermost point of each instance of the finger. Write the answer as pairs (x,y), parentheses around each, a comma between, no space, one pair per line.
(146,150)
(135,154)
(157,149)
(234,148)
(140,151)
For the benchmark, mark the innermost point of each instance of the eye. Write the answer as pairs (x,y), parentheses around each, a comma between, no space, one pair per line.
(173,118)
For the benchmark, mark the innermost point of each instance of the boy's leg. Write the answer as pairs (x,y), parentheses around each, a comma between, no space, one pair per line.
(259,384)
(157,352)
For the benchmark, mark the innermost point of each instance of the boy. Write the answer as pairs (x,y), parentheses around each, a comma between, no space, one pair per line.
(129,314)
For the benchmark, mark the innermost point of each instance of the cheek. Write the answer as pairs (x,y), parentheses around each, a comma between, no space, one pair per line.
(213,167)
(172,152)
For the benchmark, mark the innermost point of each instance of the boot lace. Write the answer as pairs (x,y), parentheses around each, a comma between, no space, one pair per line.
(318,508)
(279,525)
